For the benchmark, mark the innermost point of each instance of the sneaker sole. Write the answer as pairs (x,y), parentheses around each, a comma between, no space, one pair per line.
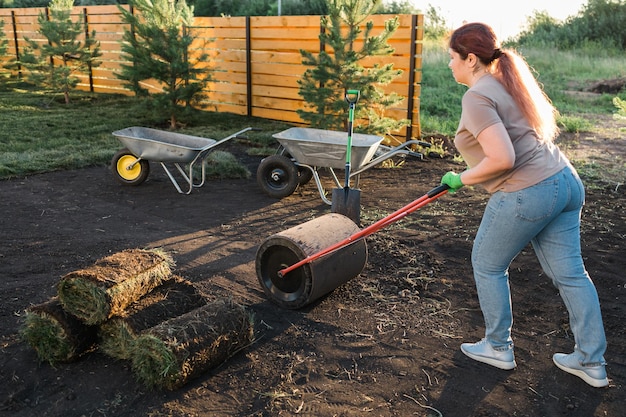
(596,383)
(507,366)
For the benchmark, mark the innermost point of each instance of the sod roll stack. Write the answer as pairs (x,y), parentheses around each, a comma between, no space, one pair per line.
(55,335)
(172,353)
(111,284)
(174,297)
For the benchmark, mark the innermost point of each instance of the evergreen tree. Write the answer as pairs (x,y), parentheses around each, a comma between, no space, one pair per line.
(55,63)
(332,73)
(157,47)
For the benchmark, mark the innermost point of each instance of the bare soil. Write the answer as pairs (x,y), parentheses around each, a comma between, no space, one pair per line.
(384,344)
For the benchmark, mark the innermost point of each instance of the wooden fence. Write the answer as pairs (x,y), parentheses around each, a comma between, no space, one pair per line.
(255,61)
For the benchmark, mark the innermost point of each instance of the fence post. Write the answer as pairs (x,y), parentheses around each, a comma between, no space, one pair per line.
(17,47)
(47,10)
(248,68)
(135,83)
(322,44)
(86,22)
(411,92)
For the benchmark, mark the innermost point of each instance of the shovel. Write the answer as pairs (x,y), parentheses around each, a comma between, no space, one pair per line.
(345,200)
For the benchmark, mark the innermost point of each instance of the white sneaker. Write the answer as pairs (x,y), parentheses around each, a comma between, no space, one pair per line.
(592,375)
(483,352)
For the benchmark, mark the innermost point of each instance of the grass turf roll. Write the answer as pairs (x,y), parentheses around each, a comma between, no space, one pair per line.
(172,298)
(56,335)
(174,352)
(112,283)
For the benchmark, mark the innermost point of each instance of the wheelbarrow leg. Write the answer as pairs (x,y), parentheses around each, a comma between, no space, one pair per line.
(187,176)
(318,181)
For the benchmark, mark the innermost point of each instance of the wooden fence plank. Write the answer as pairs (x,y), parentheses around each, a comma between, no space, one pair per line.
(261,81)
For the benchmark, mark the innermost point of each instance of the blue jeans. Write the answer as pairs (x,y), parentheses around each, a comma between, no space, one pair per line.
(547,215)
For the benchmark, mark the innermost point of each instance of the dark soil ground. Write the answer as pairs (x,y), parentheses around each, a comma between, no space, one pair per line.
(384,344)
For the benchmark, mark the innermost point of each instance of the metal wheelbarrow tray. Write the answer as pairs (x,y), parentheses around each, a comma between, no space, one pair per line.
(304,150)
(142,144)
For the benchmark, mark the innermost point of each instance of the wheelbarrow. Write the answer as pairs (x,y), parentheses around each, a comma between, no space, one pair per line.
(131,166)
(304,151)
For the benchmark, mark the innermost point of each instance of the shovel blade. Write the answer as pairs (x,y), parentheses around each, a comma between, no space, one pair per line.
(347,201)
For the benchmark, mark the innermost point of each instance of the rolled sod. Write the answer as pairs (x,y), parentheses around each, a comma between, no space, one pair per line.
(111,284)
(55,335)
(178,350)
(172,298)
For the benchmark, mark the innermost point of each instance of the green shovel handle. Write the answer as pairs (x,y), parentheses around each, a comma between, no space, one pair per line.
(352,96)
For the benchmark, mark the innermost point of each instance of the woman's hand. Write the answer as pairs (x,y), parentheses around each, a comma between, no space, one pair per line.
(452,180)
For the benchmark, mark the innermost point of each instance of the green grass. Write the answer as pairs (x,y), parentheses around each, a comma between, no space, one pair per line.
(574,124)
(562,73)
(565,73)
(440,96)
(40,133)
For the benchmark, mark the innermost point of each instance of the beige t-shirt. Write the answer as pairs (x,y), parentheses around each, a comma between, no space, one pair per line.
(488,103)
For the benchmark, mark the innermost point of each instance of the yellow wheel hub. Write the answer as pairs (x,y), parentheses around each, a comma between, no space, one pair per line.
(128,167)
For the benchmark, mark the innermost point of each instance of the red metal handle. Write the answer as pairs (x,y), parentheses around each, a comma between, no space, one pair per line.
(430,196)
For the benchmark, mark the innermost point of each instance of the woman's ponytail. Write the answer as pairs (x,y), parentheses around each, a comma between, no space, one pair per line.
(520,82)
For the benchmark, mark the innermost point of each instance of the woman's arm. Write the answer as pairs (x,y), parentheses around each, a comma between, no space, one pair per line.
(499,155)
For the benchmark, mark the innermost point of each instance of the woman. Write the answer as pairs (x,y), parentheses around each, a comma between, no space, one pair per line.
(505,136)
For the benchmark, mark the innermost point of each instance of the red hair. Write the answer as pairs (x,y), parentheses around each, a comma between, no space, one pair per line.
(512,71)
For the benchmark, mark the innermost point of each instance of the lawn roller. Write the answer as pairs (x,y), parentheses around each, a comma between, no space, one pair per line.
(302,264)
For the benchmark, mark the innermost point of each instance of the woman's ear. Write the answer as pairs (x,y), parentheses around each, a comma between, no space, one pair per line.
(472,59)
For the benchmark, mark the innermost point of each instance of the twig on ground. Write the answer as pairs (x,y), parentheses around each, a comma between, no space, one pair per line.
(422,405)
(451,336)
(427,376)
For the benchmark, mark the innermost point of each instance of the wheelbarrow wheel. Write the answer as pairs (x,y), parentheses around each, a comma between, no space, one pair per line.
(304,174)
(277,176)
(128,169)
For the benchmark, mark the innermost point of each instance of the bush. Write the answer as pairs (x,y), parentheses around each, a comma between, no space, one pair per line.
(621,108)
(599,25)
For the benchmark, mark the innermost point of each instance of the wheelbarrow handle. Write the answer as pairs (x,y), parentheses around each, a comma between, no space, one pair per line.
(205,151)
(431,195)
